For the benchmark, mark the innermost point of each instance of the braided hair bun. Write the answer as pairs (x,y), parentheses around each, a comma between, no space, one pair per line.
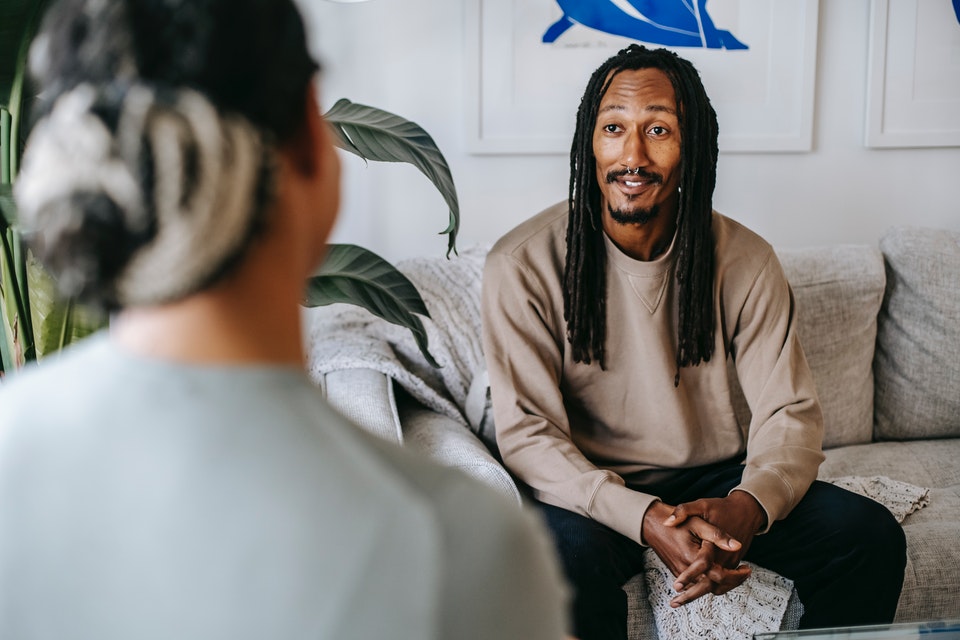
(150,168)
(147,212)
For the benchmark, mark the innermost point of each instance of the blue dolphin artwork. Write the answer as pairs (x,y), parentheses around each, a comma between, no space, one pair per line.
(676,23)
(956,9)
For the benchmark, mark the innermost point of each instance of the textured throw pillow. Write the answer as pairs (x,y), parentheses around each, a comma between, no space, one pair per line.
(838,291)
(917,367)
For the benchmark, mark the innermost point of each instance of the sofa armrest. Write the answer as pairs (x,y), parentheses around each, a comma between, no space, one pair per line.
(365,397)
(453,445)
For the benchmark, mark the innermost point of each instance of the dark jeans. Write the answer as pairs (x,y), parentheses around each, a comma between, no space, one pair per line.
(845,554)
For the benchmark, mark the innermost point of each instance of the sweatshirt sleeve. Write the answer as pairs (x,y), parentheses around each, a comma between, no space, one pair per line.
(786,429)
(524,345)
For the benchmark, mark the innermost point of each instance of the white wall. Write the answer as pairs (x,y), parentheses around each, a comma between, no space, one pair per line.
(407,56)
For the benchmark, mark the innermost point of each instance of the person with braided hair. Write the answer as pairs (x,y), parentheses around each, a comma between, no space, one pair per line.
(609,323)
(179,475)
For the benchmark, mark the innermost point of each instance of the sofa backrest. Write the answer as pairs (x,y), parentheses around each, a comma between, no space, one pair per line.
(838,291)
(917,365)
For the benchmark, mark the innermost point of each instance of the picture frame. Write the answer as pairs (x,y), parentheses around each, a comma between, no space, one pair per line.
(913,90)
(522,95)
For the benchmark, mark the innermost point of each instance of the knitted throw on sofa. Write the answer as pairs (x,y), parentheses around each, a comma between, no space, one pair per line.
(759,604)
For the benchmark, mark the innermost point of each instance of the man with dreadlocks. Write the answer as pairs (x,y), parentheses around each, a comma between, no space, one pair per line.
(608,323)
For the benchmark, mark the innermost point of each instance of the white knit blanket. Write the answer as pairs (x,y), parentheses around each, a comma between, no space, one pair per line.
(759,604)
(347,337)
(900,498)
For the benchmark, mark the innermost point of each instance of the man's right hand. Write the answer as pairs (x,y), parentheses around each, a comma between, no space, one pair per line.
(692,547)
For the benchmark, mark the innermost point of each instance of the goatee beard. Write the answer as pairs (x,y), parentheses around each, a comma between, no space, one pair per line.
(637,216)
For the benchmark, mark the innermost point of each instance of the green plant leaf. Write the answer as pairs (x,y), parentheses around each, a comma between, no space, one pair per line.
(17,331)
(14,22)
(6,357)
(375,134)
(19,20)
(355,275)
(6,146)
(16,334)
(8,207)
(56,322)
(36,321)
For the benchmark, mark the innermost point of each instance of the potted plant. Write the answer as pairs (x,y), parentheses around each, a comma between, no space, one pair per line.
(36,323)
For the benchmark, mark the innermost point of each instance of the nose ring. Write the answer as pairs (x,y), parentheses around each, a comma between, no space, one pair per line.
(633,171)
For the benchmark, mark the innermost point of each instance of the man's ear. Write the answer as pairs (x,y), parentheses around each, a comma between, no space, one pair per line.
(303,148)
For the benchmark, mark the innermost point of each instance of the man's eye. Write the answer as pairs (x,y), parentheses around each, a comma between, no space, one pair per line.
(658,130)
(611,128)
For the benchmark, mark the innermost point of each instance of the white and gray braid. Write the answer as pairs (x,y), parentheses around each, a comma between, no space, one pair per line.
(140,195)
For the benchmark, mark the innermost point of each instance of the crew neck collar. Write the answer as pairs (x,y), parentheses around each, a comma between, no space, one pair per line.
(640,267)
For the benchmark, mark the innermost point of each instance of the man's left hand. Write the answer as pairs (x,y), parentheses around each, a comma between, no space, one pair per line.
(739,514)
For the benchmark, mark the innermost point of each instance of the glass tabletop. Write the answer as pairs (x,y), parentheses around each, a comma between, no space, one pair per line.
(932,630)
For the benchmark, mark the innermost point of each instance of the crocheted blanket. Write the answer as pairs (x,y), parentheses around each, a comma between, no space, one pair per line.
(761,602)
(347,337)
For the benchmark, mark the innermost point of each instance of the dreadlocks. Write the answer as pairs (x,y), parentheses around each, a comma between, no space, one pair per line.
(584,277)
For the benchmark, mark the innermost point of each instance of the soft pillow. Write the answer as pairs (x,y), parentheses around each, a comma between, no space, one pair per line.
(838,291)
(917,367)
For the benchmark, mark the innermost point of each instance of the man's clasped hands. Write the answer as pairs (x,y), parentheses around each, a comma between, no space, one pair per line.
(703,542)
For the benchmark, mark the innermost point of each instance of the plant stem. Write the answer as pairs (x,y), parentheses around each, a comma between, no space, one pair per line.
(6,146)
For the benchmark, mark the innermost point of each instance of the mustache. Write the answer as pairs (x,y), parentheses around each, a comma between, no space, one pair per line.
(647,176)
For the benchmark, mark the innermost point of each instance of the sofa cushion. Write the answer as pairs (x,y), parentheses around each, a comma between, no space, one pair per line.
(926,463)
(838,291)
(917,368)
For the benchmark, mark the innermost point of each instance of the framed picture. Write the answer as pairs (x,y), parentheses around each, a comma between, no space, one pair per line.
(913,97)
(529,62)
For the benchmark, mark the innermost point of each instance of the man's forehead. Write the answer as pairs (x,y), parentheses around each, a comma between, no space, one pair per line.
(649,84)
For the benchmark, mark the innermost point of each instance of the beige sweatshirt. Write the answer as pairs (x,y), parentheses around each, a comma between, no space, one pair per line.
(574,432)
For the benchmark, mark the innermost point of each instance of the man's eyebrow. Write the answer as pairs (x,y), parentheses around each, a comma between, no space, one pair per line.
(650,107)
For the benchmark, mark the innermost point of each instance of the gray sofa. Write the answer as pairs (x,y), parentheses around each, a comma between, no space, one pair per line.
(881,329)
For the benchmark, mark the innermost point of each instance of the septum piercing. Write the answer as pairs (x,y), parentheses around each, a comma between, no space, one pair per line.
(635,172)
